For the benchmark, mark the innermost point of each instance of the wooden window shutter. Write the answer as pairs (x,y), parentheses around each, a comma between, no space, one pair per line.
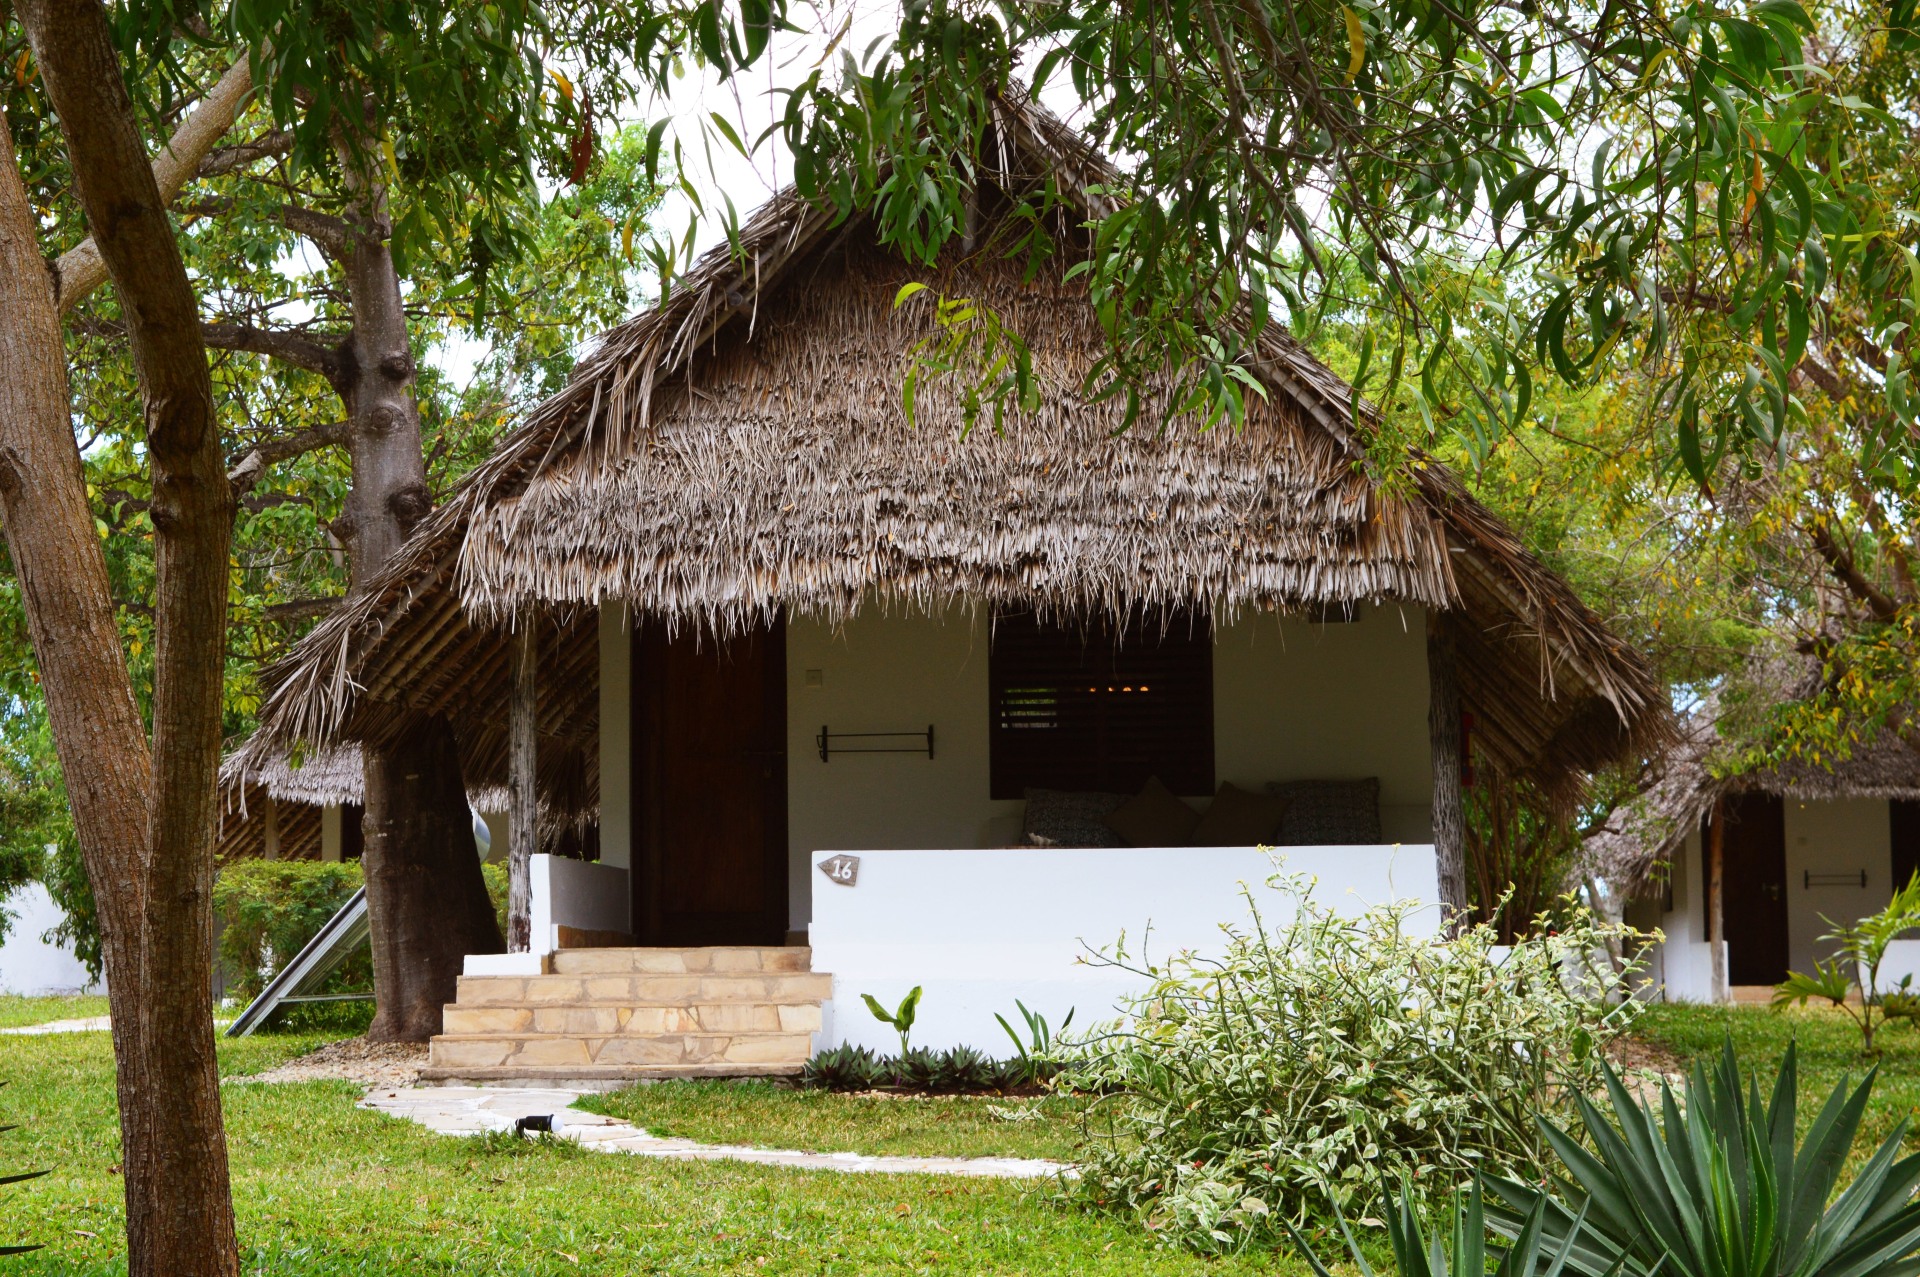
(1093,705)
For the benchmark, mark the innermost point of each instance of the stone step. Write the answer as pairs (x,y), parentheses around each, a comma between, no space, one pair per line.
(718,959)
(592,1019)
(600,1076)
(769,1052)
(645,990)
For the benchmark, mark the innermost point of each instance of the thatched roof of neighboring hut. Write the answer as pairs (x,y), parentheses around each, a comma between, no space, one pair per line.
(740,449)
(1697,771)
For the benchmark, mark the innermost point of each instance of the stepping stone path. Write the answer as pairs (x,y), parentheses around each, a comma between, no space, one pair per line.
(475,1110)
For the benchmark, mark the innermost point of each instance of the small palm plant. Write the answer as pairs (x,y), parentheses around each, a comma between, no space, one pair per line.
(1862,948)
(1717,1187)
(901,1019)
(15,1179)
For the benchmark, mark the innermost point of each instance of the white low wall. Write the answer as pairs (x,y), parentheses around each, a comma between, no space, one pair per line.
(565,893)
(29,965)
(978,929)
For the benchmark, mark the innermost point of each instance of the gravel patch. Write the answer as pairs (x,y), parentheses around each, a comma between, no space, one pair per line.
(374,1065)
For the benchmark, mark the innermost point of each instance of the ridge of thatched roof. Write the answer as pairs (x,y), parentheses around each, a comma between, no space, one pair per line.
(650,480)
(1697,771)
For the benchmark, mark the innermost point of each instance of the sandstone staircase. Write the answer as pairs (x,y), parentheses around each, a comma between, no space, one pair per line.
(617,1014)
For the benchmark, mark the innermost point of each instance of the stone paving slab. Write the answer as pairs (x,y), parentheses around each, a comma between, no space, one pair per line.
(474,1110)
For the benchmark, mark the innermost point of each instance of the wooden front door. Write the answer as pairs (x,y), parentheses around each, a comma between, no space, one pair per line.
(1755,889)
(710,787)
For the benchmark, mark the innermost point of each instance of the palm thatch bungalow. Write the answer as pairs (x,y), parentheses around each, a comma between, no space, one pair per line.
(813,671)
(1758,859)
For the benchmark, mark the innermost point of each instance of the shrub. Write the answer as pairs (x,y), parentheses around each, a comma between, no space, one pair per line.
(1859,950)
(843,1068)
(1313,1062)
(1715,1186)
(269,909)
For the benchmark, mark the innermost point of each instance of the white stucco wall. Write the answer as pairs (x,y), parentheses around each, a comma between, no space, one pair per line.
(1292,700)
(977,930)
(28,965)
(1843,837)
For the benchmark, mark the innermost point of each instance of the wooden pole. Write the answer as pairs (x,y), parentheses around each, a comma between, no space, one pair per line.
(1716,915)
(1443,731)
(523,799)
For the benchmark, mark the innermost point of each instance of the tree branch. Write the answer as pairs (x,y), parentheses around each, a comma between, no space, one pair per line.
(287,347)
(247,471)
(81,269)
(225,159)
(299,609)
(1840,562)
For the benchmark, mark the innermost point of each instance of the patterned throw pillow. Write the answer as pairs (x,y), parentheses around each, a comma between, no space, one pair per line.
(1071,818)
(1329,813)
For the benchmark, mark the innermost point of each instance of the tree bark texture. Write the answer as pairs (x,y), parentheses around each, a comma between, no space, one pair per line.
(523,804)
(426,899)
(1716,897)
(144,817)
(1443,734)
(427,904)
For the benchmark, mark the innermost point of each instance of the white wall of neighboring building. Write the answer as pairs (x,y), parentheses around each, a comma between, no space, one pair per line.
(29,965)
(1293,700)
(1843,838)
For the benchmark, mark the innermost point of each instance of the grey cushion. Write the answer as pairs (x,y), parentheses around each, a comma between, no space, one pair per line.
(1329,813)
(1071,818)
(1154,817)
(1240,819)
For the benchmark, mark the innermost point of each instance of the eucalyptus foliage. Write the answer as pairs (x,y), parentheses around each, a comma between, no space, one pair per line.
(1317,1059)
(1720,1184)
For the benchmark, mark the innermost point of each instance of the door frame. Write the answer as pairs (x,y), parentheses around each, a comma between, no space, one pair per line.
(650,793)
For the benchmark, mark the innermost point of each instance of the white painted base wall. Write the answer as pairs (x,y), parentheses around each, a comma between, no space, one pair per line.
(977,929)
(29,965)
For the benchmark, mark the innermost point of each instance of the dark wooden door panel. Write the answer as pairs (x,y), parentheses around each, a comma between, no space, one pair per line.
(710,788)
(1755,889)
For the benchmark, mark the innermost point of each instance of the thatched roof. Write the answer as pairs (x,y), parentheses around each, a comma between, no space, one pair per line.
(741,449)
(1699,769)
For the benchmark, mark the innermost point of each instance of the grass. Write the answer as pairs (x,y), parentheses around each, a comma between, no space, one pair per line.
(766,1115)
(17,1012)
(1828,1052)
(324,1187)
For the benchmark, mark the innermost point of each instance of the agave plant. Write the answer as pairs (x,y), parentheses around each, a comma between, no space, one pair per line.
(15,1179)
(1462,1250)
(962,1068)
(843,1068)
(1716,1187)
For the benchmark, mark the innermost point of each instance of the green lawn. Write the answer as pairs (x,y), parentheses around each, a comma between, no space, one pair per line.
(771,1116)
(18,1012)
(1829,1050)
(323,1187)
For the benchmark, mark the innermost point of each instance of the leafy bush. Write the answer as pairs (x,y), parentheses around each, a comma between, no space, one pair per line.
(269,909)
(1715,1187)
(1861,948)
(1036,1057)
(1313,1062)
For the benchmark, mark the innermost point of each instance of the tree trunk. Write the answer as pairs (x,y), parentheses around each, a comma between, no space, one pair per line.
(427,904)
(426,899)
(144,819)
(523,796)
(1443,733)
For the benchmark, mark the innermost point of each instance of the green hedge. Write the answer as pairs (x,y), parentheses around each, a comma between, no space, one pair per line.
(269,909)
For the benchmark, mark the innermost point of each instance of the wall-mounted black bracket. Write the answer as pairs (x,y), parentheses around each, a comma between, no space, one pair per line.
(829,742)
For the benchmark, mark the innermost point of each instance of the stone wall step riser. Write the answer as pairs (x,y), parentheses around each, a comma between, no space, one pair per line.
(643,989)
(618,1019)
(719,960)
(570,1052)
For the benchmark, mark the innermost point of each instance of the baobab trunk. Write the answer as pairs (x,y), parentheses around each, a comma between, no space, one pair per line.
(427,902)
(144,817)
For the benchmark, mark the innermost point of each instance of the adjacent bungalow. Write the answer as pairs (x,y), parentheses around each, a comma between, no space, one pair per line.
(1758,860)
(945,705)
